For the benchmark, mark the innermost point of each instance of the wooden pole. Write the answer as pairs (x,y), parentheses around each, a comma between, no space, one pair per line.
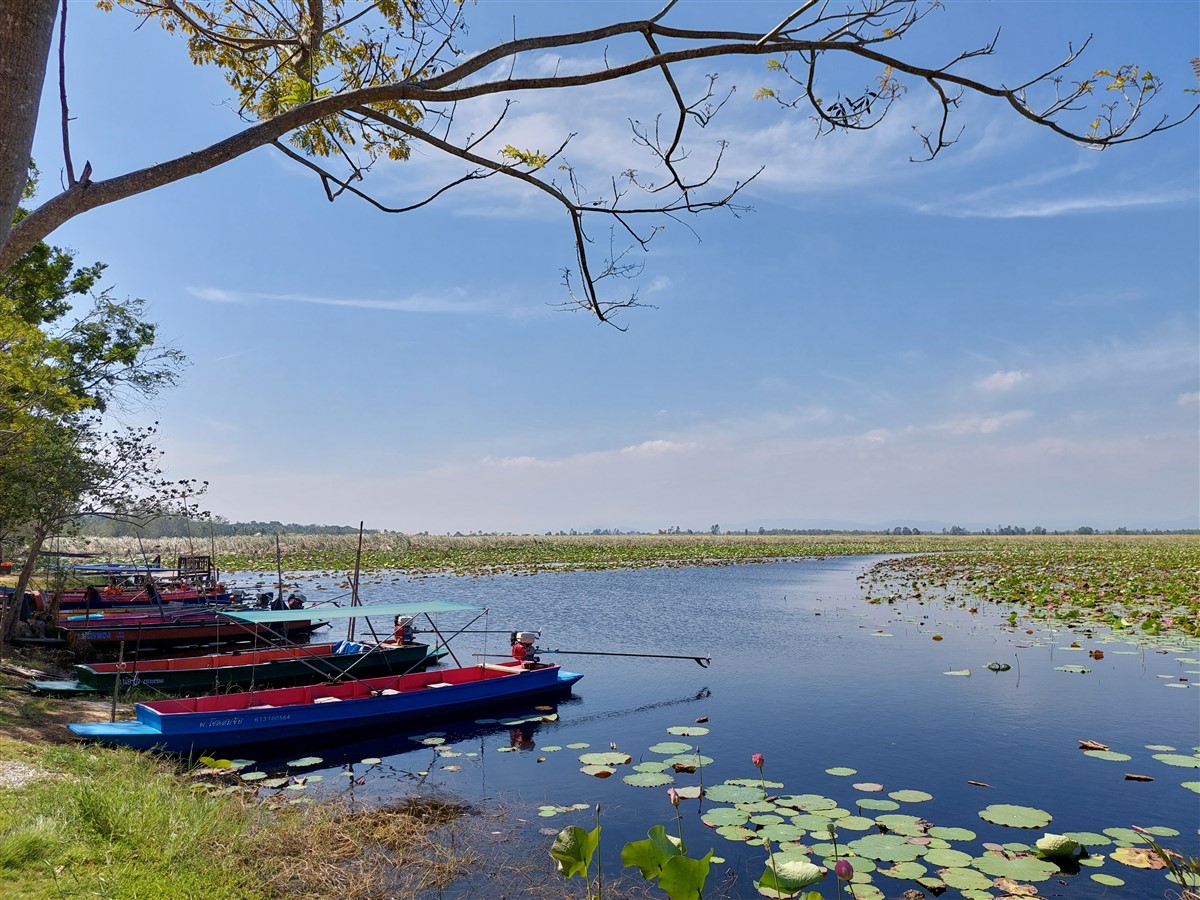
(354,599)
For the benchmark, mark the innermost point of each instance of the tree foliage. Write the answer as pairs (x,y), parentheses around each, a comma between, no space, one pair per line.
(338,85)
(59,459)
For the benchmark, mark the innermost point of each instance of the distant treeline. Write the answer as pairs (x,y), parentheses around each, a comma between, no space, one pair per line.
(218,526)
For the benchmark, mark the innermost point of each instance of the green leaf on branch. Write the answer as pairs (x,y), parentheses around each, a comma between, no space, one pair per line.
(573,850)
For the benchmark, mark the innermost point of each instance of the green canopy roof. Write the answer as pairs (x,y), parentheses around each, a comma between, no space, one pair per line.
(308,613)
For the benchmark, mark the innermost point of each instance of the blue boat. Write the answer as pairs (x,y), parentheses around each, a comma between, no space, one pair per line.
(195,725)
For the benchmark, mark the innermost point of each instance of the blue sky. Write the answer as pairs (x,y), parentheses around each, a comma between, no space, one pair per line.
(1008,334)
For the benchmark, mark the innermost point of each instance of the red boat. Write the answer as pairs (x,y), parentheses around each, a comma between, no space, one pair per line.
(175,629)
(124,587)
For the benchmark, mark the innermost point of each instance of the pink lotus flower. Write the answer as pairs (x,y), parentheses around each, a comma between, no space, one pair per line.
(758,760)
(674,797)
(843,870)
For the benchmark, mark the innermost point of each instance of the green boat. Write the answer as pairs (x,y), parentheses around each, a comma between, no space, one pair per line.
(218,672)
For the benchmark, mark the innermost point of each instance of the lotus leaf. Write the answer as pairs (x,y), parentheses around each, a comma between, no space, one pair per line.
(818,825)
(737,833)
(868,892)
(885,847)
(597,771)
(306,761)
(1193,786)
(907,871)
(1077,670)
(724,815)
(687,730)
(880,805)
(651,767)
(273,782)
(689,792)
(372,761)
(648,779)
(868,786)
(900,824)
(808,802)
(731,793)
(605,758)
(951,834)
(785,876)
(947,858)
(1016,816)
(668,748)
(1177,759)
(1124,835)
(910,796)
(1161,831)
(1019,868)
(781,832)
(936,885)
(841,770)
(965,879)
(766,819)
(581,745)
(689,759)
(253,776)
(1108,880)
(1094,860)
(1138,857)
(1192,879)
(1052,846)
(856,823)
(1088,838)
(836,813)
(964,672)
(758,806)
(297,786)
(550,748)
(506,749)
(1108,754)
(754,782)
(573,850)
(826,849)
(1161,748)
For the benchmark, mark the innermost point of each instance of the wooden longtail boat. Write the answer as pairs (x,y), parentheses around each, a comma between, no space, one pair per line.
(197,724)
(191,582)
(307,663)
(176,629)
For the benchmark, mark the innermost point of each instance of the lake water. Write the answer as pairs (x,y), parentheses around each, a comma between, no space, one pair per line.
(807,673)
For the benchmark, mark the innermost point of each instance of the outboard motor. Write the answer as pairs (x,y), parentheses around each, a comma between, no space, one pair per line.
(524,649)
(404,633)
(263,601)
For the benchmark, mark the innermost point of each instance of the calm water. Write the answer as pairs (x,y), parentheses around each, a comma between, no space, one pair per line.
(811,676)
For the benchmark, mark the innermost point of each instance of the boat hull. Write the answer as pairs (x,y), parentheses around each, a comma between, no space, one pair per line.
(219,672)
(176,634)
(196,725)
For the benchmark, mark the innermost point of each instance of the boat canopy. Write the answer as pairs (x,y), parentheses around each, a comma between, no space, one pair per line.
(348,612)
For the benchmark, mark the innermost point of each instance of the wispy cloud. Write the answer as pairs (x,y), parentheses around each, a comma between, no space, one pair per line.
(1002,381)
(1047,208)
(415,304)
(1192,398)
(979,423)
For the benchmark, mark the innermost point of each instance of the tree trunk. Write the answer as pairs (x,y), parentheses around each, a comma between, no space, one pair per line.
(14,606)
(26,29)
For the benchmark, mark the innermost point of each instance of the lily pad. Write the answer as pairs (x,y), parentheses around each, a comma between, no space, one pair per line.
(253,776)
(808,802)
(695,760)
(868,787)
(372,761)
(885,847)
(594,770)
(951,834)
(910,796)
(605,758)
(648,779)
(943,859)
(669,748)
(306,761)
(1105,879)
(1088,839)
(966,673)
(1178,759)
(856,823)
(1018,868)
(1108,754)
(878,805)
(687,730)
(781,832)
(841,770)
(1016,816)
(651,767)
(1138,857)
(720,816)
(907,871)
(731,793)
(1193,786)
(581,745)
(1077,670)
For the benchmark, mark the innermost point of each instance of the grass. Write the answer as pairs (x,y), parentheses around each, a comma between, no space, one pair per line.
(120,824)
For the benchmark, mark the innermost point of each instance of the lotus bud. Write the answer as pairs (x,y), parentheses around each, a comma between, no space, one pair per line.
(843,870)
(673,795)
(758,760)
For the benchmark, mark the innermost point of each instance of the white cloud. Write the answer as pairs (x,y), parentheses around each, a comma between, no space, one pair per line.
(1002,381)
(215,295)
(416,304)
(1191,398)
(980,424)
